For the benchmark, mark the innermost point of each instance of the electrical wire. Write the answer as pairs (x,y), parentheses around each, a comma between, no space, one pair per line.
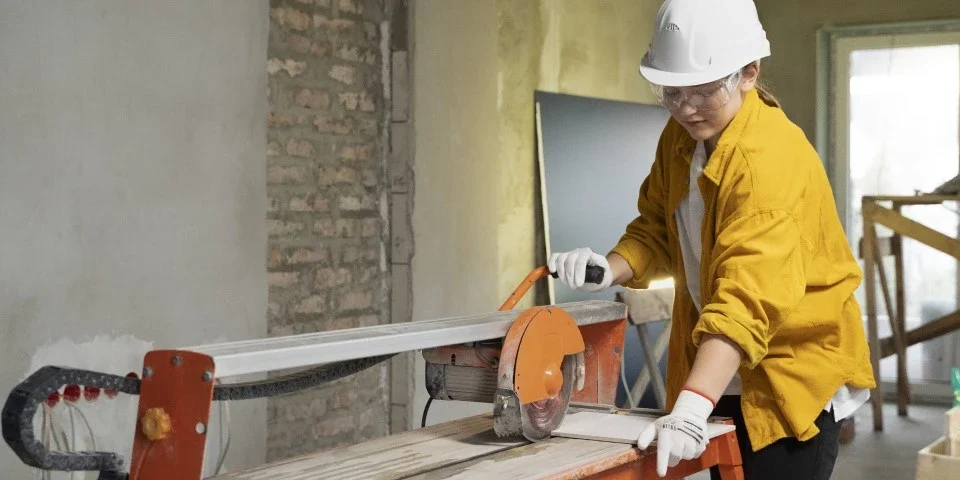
(426,408)
(224,409)
(143,459)
(86,422)
(623,378)
(73,435)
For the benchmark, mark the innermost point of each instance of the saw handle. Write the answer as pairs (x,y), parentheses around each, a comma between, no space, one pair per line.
(594,274)
(26,398)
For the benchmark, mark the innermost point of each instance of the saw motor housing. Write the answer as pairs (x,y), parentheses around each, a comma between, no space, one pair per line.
(545,357)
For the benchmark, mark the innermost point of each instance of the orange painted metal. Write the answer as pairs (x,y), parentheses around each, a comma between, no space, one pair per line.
(604,345)
(550,334)
(634,464)
(532,278)
(180,384)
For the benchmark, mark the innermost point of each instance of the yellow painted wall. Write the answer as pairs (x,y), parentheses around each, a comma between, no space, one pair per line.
(792,29)
(476,65)
(575,47)
(456,174)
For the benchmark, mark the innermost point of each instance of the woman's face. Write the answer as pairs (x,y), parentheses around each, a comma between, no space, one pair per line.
(706,110)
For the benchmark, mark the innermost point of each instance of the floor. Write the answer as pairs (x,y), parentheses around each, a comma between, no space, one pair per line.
(887,455)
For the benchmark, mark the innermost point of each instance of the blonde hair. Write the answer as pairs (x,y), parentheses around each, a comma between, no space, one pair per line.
(766,96)
(762,89)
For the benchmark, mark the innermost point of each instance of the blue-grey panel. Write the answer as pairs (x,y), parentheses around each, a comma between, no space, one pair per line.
(596,155)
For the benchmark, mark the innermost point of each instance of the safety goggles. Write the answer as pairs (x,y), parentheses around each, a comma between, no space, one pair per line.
(711,96)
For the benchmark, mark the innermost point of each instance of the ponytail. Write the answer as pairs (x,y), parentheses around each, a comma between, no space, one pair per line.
(762,90)
(766,96)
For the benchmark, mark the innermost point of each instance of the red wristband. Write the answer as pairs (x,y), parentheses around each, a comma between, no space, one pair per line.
(698,392)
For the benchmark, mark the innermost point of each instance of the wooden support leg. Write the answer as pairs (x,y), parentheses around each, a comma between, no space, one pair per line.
(897,335)
(903,387)
(659,348)
(869,260)
(653,366)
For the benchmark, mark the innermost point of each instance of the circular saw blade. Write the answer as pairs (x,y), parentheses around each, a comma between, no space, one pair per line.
(539,419)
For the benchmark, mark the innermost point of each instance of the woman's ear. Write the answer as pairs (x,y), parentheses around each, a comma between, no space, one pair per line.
(751,73)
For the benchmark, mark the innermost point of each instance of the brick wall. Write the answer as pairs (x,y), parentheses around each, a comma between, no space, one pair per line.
(327,216)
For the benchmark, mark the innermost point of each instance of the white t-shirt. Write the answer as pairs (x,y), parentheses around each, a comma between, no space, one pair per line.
(689,222)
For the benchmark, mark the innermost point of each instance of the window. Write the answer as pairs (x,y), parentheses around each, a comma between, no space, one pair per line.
(890,125)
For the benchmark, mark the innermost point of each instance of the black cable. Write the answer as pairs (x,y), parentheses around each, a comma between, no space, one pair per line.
(426,408)
(295,382)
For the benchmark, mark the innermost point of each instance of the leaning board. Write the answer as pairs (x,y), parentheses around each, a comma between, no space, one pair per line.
(616,428)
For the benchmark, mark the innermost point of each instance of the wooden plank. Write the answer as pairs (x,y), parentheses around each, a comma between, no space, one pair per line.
(649,305)
(897,247)
(885,247)
(934,463)
(932,329)
(659,347)
(652,366)
(903,390)
(952,431)
(913,199)
(907,227)
(538,460)
(617,428)
(869,255)
(545,217)
(395,456)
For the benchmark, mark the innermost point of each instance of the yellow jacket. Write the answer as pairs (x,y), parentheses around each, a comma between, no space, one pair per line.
(777,274)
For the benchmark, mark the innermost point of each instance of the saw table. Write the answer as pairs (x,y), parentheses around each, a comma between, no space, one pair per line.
(534,366)
(468,449)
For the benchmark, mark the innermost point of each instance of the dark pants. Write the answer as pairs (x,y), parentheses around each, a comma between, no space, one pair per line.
(787,458)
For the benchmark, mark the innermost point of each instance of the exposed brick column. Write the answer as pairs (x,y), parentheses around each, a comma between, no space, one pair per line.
(400,169)
(327,218)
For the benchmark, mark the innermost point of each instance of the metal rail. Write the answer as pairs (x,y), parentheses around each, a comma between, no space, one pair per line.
(298,351)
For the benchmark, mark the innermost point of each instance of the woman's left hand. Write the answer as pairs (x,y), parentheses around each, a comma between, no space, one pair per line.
(680,435)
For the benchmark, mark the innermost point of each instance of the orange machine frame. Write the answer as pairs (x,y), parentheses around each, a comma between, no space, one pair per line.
(176,394)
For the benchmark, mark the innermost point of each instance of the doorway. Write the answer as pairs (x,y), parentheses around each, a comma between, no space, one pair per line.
(890,125)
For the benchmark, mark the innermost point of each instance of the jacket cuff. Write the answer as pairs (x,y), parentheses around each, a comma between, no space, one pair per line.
(752,347)
(633,252)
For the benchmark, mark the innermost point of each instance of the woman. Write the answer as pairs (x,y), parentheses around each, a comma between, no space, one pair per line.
(738,209)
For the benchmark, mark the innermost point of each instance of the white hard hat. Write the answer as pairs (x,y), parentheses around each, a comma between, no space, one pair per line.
(699,41)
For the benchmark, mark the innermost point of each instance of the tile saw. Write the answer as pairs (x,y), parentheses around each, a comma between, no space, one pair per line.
(533,365)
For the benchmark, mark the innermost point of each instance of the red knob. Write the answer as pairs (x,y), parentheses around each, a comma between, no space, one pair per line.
(91,394)
(53,399)
(71,393)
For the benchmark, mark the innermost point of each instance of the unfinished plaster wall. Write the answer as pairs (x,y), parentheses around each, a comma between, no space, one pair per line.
(591,49)
(791,70)
(456,201)
(476,66)
(132,137)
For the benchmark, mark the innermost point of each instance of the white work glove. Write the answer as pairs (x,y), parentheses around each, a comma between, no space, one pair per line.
(680,435)
(571,269)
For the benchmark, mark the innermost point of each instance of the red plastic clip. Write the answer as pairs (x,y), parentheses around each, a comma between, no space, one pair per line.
(71,393)
(91,394)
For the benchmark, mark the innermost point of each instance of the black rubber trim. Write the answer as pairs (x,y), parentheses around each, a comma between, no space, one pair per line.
(26,398)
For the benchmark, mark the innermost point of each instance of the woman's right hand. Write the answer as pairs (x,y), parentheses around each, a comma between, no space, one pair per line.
(571,269)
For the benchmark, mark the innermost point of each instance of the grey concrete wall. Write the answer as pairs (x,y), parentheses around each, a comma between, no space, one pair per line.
(133,191)
(455,214)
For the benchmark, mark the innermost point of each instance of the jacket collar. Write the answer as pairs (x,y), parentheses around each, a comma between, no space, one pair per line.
(728,139)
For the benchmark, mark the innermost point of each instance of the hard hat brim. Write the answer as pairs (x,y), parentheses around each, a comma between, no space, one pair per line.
(688,79)
(685,79)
